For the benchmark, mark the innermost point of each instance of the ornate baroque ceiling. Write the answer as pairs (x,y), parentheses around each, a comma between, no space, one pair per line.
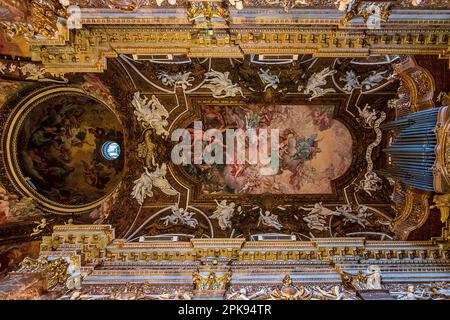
(92,94)
(332,106)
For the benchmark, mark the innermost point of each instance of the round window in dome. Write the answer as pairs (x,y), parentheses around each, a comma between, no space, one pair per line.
(111,150)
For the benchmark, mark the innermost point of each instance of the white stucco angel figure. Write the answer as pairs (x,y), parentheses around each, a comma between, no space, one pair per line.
(220,84)
(315,222)
(373,275)
(360,217)
(269,219)
(143,186)
(223,213)
(362,214)
(74,275)
(411,294)
(373,79)
(176,295)
(32,71)
(316,82)
(74,17)
(180,216)
(416,3)
(335,293)
(316,218)
(189,220)
(180,79)
(151,113)
(242,294)
(41,225)
(351,81)
(371,183)
(367,115)
(238,4)
(3,67)
(268,79)
(171,2)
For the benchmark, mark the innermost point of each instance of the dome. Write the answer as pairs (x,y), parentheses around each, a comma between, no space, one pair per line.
(67,150)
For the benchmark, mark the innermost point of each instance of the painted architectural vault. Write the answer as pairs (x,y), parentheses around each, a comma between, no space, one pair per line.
(90,104)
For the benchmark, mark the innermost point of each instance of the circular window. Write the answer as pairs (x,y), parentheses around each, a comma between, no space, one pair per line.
(111,150)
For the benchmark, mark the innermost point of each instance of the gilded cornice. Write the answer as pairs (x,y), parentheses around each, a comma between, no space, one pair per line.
(89,49)
(250,263)
(97,242)
(260,16)
(102,31)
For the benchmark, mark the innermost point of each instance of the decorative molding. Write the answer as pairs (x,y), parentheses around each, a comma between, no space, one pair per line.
(204,28)
(441,173)
(419,81)
(414,214)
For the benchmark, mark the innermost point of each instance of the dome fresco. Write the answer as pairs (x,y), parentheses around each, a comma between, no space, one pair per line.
(59,149)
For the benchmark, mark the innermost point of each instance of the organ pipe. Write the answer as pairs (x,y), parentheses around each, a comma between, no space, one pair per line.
(412,151)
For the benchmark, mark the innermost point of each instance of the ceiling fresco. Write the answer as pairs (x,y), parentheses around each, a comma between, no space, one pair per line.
(315,149)
(328,111)
(330,126)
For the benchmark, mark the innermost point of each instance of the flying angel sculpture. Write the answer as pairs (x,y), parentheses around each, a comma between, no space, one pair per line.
(151,113)
(220,84)
(143,186)
(316,82)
